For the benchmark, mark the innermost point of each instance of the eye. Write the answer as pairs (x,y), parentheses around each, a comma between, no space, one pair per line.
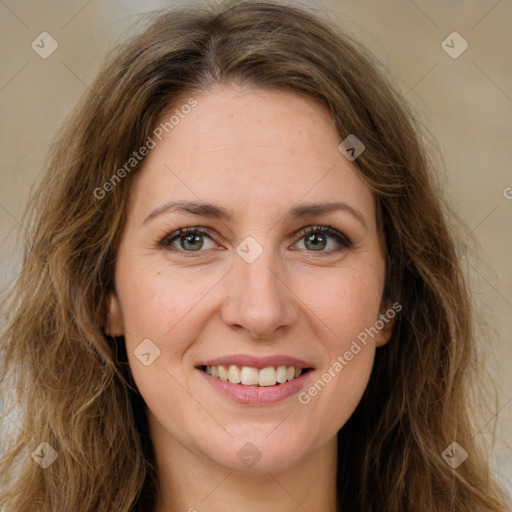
(189,240)
(316,239)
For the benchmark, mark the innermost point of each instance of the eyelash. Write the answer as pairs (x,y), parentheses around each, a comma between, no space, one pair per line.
(343,240)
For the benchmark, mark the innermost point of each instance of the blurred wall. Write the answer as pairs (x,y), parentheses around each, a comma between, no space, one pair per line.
(460,84)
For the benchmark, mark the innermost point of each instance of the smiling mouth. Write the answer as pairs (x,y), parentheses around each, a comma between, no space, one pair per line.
(250,376)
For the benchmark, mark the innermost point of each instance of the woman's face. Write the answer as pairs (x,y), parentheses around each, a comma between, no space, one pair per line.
(248,287)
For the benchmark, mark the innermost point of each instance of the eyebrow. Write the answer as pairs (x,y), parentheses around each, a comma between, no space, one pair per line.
(213,211)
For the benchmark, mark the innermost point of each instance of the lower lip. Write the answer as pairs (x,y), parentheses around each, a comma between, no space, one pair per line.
(257,395)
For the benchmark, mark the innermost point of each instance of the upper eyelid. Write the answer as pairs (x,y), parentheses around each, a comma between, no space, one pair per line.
(191,229)
(323,229)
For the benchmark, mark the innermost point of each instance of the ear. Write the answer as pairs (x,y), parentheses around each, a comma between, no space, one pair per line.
(385,322)
(114,325)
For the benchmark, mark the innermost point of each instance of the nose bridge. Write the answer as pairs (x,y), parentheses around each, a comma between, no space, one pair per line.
(257,297)
(260,277)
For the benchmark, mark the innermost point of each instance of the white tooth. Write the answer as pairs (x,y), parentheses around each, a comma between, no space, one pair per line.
(281,374)
(234,374)
(223,373)
(249,376)
(267,376)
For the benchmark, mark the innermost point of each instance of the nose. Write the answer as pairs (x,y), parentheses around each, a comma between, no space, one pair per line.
(258,299)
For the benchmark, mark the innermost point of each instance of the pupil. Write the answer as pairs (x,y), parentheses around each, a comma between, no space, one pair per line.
(190,240)
(314,240)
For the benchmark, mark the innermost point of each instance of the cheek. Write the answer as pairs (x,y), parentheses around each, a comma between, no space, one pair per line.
(157,301)
(348,304)
(347,301)
(337,387)
(171,308)
(336,392)
(162,306)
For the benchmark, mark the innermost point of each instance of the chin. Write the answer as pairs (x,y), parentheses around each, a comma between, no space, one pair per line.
(256,454)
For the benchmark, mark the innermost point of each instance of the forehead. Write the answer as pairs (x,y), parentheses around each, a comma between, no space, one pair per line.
(250,148)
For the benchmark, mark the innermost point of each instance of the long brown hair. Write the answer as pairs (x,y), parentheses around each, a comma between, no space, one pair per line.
(73,381)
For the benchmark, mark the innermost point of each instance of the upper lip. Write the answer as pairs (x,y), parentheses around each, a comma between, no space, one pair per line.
(256,362)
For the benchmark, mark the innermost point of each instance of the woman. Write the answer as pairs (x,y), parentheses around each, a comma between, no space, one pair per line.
(240,289)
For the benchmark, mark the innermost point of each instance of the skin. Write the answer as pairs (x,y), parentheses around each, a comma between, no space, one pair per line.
(256,153)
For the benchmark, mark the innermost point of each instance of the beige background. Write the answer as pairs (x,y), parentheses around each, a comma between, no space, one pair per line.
(467,103)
